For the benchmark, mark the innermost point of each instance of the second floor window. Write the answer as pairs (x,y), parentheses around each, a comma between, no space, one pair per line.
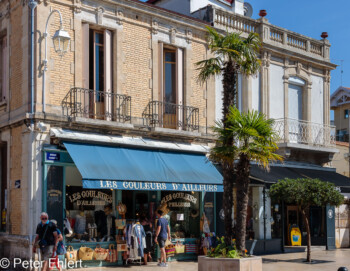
(346,113)
(97,73)
(170,76)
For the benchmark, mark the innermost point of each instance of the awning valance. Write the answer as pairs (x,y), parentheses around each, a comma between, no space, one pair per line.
(277,173)
(109,167)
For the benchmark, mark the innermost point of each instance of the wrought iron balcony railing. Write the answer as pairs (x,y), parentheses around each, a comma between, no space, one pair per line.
(87,103)
(305,132)
(174,116)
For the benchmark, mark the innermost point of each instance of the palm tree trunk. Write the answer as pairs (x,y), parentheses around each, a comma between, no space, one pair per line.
(307,225)
(229,99)
(242,184)
(229,82)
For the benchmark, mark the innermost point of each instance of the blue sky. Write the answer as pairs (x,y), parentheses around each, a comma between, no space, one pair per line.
(311,18)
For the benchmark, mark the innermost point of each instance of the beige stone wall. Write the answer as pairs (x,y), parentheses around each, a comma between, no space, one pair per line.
(133,60)
(18,43)
(199,91)
(339,162)
(60,73)
(339,121)
(136,65)
(16,194)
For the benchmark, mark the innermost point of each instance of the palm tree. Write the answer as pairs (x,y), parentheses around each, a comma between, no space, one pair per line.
(255,140)
(231,55)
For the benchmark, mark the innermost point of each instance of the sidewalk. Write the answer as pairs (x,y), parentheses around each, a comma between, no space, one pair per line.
(324,261)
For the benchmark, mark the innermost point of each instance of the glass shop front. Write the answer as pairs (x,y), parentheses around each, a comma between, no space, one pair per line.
(106,221)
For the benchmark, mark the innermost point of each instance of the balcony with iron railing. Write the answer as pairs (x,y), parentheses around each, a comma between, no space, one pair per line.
(305,133)
(172,116)
(94,104)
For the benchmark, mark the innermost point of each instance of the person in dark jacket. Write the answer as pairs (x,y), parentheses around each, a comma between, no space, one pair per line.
(47,239)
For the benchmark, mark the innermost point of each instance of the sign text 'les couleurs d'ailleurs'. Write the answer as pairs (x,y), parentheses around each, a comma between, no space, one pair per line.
(129,185)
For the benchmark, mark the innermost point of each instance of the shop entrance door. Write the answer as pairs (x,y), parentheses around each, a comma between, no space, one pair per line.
(292,219)
(54,194)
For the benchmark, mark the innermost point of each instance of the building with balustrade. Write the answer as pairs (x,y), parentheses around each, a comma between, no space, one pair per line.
(292,87)
(103,121)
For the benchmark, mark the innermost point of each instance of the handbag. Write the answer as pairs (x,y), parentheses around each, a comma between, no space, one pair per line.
(43,242)
(100,254)
(179,248)
(120,223)
(85,253)
(112,254)
(61,250)
(71,255)
(191,249)
(170,250)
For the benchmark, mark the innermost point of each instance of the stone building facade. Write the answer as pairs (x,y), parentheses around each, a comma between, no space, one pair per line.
(110,87)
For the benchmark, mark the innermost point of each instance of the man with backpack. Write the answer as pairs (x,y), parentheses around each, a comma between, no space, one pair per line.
(46,238)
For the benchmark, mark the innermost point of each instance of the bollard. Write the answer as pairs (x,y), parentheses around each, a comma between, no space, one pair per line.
(342,268)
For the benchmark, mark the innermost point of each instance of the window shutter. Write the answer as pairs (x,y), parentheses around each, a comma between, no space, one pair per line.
(180,85)
(161,71)
(108,73)
(84,96)
(4,69)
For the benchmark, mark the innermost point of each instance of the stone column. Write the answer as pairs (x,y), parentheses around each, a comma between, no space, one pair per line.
(286,100)
(259,214)
(326,97)
(265,84)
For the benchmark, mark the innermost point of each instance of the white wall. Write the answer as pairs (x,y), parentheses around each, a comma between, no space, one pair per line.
(276,92)
(187,7)
(256,92)
(219,94)
(317,99)
(218,97)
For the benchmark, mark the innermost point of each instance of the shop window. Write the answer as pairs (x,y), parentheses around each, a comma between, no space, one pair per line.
(3,186)
(276,221)
(208,208)
(3,68)
(54,194)
(220,215)
(89,211)
(182,213)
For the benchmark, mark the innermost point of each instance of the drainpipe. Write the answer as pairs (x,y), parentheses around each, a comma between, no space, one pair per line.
(32,5)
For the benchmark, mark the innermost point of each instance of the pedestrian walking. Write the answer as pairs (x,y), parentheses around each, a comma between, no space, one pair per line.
(47,239)
(162,234)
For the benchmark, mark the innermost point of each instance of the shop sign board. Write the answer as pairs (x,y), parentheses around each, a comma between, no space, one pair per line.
(152,186)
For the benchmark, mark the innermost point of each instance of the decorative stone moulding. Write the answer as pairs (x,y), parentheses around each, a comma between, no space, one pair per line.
(155,27)
(99,15)
(120,16)
(221,264)
(173,35)
(189,36)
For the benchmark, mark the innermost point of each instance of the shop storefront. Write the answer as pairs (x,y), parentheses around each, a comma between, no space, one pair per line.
(86,184)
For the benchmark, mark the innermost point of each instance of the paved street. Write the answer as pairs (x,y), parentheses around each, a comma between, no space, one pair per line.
(324,261)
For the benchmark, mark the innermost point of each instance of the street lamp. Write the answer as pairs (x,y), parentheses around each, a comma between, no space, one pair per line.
(61,41)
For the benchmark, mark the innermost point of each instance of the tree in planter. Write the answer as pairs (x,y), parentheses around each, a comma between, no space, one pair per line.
(255,141)
(232,54)
(306,193)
